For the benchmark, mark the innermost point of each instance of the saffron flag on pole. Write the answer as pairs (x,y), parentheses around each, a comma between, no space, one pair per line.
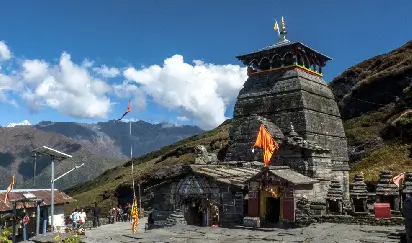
(9,189)
(267,143)
(127,111)
(135,215)
(398,179)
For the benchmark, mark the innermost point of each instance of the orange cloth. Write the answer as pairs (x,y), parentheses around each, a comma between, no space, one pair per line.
(267,143)
(398,179)
(135,215)
(11,186)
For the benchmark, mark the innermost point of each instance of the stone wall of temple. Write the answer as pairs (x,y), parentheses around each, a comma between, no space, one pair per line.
(291,97)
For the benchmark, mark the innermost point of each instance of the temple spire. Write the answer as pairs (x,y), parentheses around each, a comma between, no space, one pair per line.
(283,31)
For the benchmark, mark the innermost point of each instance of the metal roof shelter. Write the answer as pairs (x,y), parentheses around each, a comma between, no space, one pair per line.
(30,198)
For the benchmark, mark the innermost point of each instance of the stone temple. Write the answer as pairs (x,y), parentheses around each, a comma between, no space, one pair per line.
(285,91)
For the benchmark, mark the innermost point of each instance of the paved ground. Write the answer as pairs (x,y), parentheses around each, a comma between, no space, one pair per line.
(326,232)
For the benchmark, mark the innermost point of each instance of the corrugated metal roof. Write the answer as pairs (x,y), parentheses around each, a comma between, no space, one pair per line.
(59,198)
(226,174)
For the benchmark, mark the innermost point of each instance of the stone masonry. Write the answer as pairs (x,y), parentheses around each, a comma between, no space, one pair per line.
(284,97)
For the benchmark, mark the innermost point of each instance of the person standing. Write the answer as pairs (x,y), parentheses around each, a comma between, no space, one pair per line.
(96,215)
(83,216)
(75,218)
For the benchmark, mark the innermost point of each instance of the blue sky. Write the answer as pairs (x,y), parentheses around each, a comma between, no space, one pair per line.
(131,36)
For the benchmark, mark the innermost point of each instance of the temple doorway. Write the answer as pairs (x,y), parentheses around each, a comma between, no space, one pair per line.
(358,205)
(193,214)
(272,209)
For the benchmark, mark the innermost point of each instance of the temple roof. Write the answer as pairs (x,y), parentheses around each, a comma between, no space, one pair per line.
(285,173)
(280,45)
(225,174)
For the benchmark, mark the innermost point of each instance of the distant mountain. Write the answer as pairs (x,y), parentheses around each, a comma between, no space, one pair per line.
(100,146)
(23,123)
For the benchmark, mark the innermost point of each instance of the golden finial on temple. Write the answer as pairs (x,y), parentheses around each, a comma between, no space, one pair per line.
(283,31)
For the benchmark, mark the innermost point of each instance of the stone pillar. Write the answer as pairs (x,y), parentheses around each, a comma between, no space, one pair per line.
(359,194)
(334,195)
(407,186)
(387,191)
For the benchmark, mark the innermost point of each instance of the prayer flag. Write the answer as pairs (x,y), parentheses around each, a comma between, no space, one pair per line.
(135,215)
(127,111)
(267,143)
(9,189)
(398,179)
(276,27)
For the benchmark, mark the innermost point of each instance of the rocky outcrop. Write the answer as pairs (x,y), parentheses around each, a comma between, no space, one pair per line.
(204,157)
(373,83)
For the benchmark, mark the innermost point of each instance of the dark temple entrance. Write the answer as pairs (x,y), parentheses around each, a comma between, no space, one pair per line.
(193,215)
(272,209)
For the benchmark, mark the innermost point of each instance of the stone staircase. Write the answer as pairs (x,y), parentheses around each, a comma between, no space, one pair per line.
(176,218)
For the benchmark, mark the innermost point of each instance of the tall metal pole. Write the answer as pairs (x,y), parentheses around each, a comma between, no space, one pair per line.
(52,195)
(37,218)
(14,223)
(34,171)
(131,154)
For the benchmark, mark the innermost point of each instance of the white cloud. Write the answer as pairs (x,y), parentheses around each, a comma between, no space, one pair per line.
(182,118)
(130,91)
(66,87)
(5,53)
(107,72)
(200,91)
(197,91)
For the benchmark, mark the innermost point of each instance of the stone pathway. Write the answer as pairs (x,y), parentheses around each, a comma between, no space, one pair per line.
(325,232)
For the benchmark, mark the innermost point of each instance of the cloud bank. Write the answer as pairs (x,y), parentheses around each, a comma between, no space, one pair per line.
(194,90)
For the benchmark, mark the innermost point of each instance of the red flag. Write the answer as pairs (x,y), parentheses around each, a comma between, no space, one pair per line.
(11,186)
(267,143)
(127,111)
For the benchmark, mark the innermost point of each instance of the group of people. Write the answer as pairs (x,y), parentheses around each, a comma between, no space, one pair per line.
(117,214)
(121,214)
(78,218)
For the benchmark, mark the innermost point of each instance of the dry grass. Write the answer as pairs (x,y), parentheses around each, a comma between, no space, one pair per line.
(391,157)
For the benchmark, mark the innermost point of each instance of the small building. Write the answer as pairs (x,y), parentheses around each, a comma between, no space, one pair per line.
(203,195)
(273,193)
(60,198)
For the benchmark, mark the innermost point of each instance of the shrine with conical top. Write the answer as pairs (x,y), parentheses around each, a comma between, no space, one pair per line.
(285,92)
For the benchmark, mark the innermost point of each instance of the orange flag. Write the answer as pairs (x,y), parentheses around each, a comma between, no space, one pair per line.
(127,111)
(267,143)
(11,186)
(398,179)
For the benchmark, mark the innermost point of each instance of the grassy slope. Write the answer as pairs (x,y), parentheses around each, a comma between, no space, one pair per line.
(392,156)
(102,189)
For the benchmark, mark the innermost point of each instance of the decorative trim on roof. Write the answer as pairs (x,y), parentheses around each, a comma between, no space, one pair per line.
(305,69)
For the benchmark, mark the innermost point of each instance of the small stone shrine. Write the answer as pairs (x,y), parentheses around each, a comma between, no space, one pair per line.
(359,195)
(407,186)
(387,191)
(334,198)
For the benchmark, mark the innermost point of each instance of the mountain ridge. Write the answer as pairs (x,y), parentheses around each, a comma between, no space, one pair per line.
(100,146)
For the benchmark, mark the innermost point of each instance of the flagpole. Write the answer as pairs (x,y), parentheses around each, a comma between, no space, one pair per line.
(131,154)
